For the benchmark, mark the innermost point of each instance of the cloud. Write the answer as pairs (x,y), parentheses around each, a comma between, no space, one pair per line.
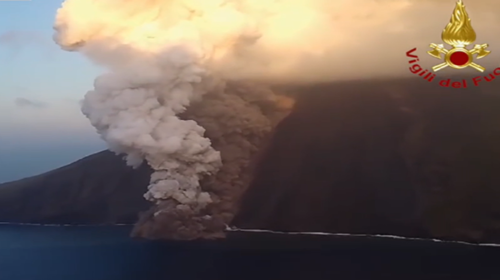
(16,41)
(24,102)
(16,37)
(73,101)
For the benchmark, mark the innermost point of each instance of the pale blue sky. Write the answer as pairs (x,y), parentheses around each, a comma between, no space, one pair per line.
(41,126)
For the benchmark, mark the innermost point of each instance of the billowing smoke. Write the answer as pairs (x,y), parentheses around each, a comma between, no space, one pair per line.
(163,55)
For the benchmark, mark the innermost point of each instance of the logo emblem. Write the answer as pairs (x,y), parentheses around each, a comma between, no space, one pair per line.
(459,34)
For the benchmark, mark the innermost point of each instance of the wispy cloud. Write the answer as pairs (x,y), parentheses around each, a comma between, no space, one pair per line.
(17,40)
(24,102)
(15,37)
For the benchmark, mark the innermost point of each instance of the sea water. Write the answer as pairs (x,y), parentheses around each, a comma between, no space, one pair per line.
(30,252)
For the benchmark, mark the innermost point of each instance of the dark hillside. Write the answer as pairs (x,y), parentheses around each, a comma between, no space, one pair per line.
(393,157)
(96,189)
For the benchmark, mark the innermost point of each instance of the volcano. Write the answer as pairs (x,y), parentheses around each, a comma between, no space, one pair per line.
(401,157)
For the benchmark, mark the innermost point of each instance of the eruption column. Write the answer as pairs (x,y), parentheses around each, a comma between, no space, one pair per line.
(164,55)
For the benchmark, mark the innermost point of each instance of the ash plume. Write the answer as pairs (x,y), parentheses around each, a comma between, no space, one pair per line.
(163,56)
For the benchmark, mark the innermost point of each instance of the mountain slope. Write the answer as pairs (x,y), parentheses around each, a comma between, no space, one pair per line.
(402,157)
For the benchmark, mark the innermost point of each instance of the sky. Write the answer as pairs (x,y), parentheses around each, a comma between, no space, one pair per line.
(41,125)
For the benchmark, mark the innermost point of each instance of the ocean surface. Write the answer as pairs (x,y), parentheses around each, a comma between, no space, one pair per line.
(29,252)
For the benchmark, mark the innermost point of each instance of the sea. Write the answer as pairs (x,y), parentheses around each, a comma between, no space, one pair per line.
(36,252)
